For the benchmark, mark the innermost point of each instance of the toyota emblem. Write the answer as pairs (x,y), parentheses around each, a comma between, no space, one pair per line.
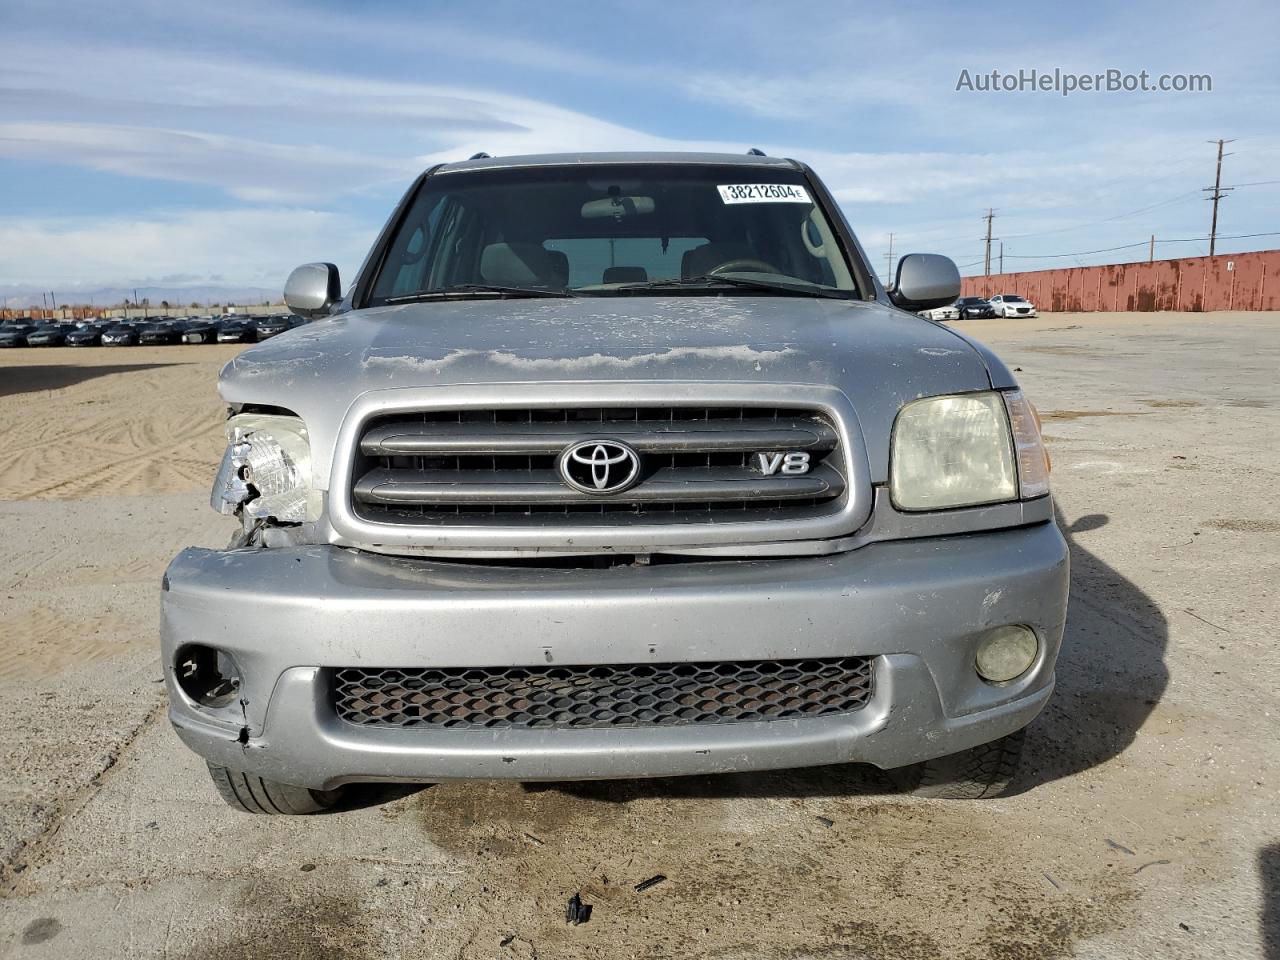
(599,466)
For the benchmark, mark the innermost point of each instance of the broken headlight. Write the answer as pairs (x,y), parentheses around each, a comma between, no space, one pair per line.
(266,470)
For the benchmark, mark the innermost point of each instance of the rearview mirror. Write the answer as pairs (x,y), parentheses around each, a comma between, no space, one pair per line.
(312,289)
(616,207)
(925,281)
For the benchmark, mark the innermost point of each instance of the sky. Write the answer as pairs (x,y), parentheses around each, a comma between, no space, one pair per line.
(169,145)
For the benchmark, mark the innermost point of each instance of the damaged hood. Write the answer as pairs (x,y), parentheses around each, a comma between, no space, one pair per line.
(878,356)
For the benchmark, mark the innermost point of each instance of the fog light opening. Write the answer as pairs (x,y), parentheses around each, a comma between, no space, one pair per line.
(210,677)
(1006,653)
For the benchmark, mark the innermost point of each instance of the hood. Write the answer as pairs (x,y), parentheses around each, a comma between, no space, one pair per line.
(878,356)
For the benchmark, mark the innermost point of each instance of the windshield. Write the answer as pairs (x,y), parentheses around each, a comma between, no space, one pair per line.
(612,230)
(1011,298)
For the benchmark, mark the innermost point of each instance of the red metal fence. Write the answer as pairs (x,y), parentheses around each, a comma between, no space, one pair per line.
(1237,281)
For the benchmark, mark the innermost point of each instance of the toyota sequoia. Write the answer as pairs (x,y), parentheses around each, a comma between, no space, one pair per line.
(617,465)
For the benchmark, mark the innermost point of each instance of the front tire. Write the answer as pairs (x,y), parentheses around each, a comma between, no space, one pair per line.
(252,794)
(978,773)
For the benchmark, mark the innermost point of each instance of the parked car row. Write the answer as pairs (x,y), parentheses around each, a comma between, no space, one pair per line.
(975,308)
(152,331)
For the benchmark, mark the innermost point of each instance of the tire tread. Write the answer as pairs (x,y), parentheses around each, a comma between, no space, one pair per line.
(252,794)
(975,774)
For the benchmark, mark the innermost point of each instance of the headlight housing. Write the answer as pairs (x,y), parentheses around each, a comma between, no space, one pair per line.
(266,470)
(1028,445)
(966,450)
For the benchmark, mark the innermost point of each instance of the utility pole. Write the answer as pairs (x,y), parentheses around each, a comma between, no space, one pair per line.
(889,256)
(1216,193)
(986,260)
(1001,256)
(1151,254)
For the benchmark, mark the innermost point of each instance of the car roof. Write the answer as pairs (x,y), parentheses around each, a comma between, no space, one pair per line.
(574,159)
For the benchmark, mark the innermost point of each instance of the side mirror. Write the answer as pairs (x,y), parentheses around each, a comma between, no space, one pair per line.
(312,289)
(925,281)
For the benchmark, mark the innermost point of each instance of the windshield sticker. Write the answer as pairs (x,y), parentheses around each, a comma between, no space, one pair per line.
(763,193)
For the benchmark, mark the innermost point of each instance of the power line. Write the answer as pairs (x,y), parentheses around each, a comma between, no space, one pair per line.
(1119,216)
(1157,177)
(1078,253)
(1235,236)
(1153,177)
(1130,246)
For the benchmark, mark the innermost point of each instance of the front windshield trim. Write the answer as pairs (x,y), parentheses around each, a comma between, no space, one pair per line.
(465,291)
(789,285)
(846,248)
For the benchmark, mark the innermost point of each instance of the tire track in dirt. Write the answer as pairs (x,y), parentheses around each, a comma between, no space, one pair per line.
(41,641)
(158,436)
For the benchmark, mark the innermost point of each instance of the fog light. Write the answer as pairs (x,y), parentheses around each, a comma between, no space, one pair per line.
(209,677)
(1006,653)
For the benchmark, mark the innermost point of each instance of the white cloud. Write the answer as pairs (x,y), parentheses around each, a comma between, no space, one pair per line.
(193,248)
(247,169)
(359,101)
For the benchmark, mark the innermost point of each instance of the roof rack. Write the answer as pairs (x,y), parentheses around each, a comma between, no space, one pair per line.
(480,156)
(756,152)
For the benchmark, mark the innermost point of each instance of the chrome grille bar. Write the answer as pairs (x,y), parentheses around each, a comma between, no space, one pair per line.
(674,436)
(544,487)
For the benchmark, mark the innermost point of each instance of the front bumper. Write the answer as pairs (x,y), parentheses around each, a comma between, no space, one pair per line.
(290,615)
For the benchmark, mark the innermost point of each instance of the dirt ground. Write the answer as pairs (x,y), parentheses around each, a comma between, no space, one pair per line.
(1145,824)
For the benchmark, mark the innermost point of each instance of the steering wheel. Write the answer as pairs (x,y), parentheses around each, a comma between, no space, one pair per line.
(744,265)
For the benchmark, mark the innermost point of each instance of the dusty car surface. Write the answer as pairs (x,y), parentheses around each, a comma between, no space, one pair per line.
(617,465)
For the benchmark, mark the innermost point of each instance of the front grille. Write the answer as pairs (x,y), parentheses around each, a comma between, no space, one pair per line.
(608,695)
(499,466)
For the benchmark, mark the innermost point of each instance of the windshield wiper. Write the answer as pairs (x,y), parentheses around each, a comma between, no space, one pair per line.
(798,289)
(463,290)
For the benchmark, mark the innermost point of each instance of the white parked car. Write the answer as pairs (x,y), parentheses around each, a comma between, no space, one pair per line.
(1012,305)
(949,312)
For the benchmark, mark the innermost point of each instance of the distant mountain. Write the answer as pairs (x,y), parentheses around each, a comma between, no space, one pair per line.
(17,297)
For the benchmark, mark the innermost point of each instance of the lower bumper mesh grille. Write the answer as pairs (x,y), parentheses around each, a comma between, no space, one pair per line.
(605,695)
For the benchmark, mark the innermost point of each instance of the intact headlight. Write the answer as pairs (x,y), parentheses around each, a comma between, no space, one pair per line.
(1033,459)
(267,469)
(961,451)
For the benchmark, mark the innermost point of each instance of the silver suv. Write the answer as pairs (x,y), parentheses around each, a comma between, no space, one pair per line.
(617,465)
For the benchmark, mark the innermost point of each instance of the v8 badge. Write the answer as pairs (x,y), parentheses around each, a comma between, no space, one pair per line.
(792,464)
